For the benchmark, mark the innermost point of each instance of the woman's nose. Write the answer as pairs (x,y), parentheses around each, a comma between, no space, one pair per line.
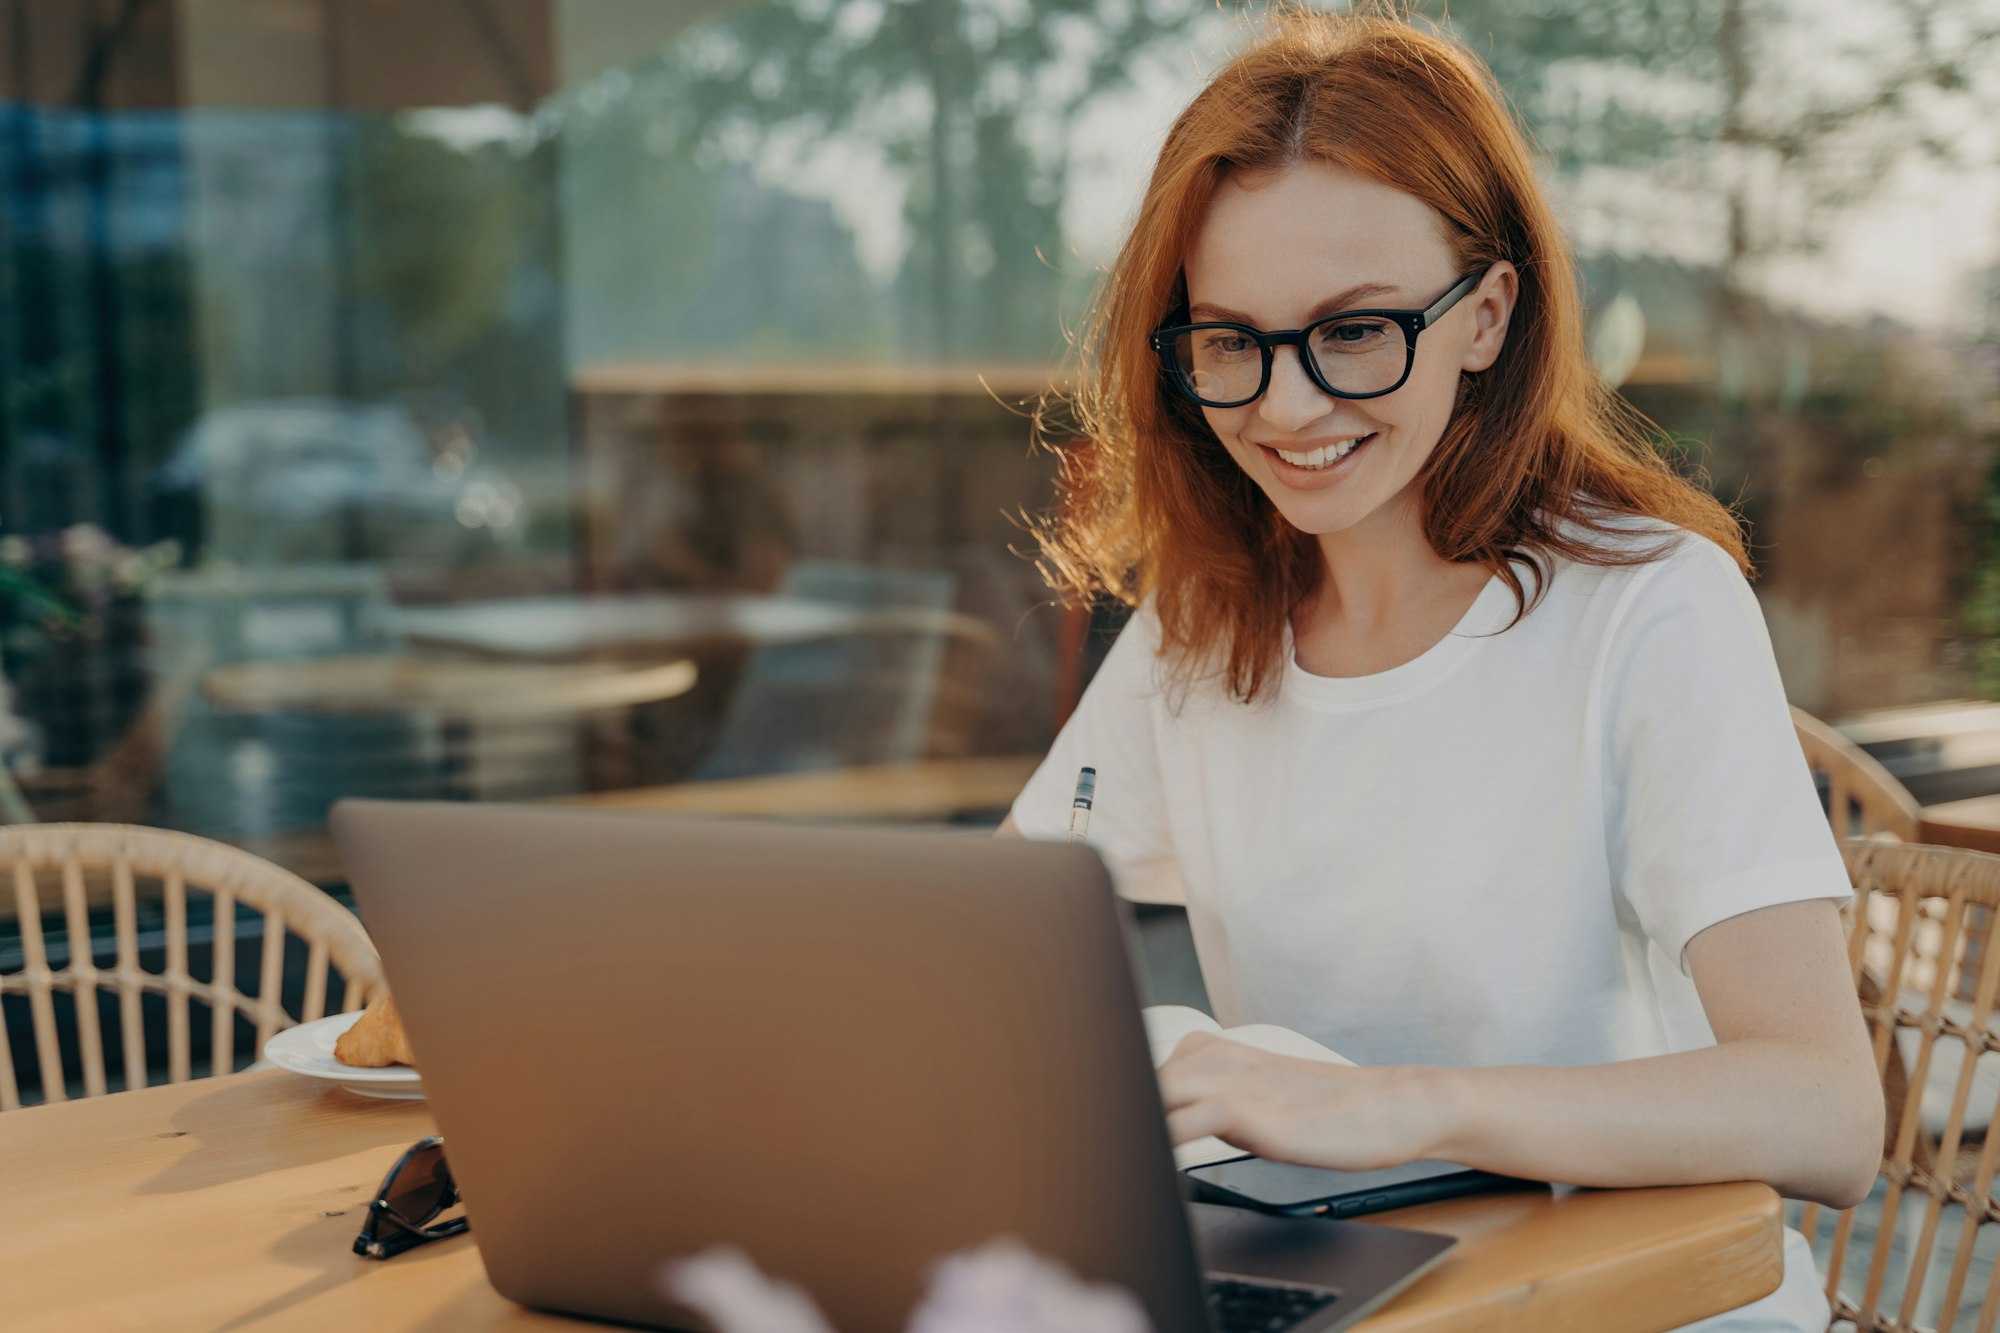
(1292,401)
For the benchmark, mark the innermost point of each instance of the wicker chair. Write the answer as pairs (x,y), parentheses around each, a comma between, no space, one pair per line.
(93,863)
(1941,907)
(1862,799)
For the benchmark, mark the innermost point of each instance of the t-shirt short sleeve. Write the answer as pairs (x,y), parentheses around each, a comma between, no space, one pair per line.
(1113,730)
(1710,809)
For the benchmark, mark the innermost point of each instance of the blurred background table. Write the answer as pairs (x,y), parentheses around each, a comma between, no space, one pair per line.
(1973,822)
(291,737)
(924,791)
(453,687)
(653,624)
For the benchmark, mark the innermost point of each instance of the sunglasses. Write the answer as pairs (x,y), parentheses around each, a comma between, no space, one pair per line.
(404,1213)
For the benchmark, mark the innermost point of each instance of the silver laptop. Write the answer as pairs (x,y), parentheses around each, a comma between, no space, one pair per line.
(847,1052)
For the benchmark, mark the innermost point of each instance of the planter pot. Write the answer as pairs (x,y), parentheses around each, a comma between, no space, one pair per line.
(84,692)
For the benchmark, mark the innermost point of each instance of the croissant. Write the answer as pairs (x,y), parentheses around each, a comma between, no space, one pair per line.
(377,1039)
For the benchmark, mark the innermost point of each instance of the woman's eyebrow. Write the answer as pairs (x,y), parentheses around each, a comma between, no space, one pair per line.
(1333,305)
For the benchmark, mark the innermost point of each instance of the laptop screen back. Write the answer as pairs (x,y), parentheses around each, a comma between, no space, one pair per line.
(848,1052)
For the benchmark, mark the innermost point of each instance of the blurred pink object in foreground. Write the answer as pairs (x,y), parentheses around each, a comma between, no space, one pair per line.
(723,1284)
(1002,1287)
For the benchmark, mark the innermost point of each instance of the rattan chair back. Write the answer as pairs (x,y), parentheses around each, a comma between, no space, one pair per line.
(1930,974)
(71,881)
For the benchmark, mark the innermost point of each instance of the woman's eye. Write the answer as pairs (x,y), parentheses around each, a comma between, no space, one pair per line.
(1352,334)
(1229,344)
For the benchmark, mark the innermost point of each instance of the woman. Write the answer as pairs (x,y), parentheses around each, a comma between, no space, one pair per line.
(1446,700)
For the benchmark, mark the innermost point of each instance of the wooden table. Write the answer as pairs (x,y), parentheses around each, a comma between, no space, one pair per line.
(231,1204)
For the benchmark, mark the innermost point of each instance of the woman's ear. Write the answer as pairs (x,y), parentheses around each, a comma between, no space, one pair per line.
(1492,304)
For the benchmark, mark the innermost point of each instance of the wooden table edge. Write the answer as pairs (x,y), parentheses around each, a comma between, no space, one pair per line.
(1751,1268)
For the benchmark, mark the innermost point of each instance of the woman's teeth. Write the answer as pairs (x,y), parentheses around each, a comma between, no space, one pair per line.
(1325,456)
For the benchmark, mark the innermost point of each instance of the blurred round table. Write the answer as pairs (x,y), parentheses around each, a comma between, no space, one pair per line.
(414,727)
(1972,823)
(652,624)
(451,687)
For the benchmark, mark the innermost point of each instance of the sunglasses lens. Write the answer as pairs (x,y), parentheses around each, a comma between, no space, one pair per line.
(422,1185)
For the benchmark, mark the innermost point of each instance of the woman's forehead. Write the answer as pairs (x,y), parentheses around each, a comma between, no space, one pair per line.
(1276,247)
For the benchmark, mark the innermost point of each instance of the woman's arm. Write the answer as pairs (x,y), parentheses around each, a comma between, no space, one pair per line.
(1788,1095)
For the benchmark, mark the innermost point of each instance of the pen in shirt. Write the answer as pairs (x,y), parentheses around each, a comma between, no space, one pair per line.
(1079,809)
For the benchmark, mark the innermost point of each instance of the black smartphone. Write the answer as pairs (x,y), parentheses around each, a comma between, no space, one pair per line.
(1308,1191)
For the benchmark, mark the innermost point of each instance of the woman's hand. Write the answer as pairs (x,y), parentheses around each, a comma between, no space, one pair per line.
(1342,1117)
(1788,1095)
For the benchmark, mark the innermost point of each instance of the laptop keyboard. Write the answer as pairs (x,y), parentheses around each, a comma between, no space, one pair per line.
(1260,1307)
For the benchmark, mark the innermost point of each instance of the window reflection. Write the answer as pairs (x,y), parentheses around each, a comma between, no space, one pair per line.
(395,395)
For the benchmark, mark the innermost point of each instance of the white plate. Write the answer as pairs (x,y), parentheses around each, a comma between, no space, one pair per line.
(308,1049)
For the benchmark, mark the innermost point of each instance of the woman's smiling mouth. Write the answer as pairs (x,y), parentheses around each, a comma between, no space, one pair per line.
(1320,461)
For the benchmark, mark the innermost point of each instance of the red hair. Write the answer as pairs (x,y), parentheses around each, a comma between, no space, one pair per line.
(1539,457)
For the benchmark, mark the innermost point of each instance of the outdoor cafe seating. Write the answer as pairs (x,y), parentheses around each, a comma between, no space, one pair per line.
(781,420)
(138,1057)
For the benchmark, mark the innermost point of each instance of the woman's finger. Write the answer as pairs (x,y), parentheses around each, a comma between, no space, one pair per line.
(1182,1084)
(1198,1120)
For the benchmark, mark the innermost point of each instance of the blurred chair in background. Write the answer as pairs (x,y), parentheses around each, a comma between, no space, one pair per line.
(128,891)
(860,697)
(1862,798)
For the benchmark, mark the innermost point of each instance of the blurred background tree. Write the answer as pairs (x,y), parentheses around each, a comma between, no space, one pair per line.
(967,101)
(1759,128)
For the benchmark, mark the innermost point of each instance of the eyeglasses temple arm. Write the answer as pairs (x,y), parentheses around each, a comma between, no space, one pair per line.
(1451,298)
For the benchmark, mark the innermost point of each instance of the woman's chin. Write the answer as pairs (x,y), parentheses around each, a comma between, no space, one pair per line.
(1332,512)
(1324,519)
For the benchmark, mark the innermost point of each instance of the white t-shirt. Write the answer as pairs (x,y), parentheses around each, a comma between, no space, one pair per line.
(1493,854)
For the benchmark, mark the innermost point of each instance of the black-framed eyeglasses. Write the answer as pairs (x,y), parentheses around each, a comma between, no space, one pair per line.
(1349,354)
(404,1213)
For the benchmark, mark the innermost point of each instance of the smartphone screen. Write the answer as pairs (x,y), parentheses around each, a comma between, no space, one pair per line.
(1282,1187)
